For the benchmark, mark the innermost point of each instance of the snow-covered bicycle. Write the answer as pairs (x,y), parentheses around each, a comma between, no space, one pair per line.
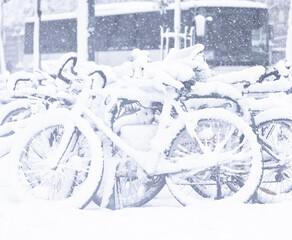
(266,95)
(29,94)
(274,129)
(30,88)
(59,157)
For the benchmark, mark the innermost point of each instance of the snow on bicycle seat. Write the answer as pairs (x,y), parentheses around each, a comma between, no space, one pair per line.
(175,54)
(250,75)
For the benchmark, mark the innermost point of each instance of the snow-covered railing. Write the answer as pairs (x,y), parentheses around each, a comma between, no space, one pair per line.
(165,36)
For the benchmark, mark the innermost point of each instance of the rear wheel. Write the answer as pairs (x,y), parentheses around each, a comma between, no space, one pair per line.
(276,135)
(131,187)
(231,145)
(134,192)
(58,161)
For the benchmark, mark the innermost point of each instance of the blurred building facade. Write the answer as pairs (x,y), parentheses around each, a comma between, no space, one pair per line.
(278,12)
(278,18)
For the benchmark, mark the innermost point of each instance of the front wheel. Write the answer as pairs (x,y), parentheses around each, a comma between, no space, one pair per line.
(224,138)
(57,160)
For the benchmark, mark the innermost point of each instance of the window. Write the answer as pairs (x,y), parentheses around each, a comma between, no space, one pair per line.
(148,30)
(58,36)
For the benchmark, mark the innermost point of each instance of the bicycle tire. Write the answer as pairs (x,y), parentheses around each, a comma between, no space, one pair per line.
(130,188)
(12,110)
(135,193)
(231,181)
(275,130)
(74,177)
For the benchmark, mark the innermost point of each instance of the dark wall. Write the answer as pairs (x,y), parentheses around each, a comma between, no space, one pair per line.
(56,36)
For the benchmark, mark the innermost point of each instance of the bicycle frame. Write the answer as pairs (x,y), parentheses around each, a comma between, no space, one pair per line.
(159,164)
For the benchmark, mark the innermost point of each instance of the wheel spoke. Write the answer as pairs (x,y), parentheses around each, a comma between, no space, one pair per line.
(220,146)
(202,147)
(230,149)
(46,182)
(276,134)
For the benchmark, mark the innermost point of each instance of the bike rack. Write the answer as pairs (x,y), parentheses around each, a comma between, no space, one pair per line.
(166,35)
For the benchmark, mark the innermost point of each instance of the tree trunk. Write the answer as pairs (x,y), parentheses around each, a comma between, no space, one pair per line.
(91,25)
(85,30)
(289,36)
(2,57)
(36,36)
(177,22)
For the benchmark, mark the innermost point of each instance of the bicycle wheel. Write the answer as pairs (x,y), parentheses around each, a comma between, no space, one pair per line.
(57,160)
(135,191)
(276,135)
(131,187)
(15,111)
(222,137)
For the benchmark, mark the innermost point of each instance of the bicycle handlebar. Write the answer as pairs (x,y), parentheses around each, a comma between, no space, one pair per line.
(61,76)
(101,74)
(266,75)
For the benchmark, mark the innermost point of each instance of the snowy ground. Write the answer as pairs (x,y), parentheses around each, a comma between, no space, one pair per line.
(162,218)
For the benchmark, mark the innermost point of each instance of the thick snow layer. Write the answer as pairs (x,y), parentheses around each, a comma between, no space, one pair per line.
(206,221)
(220,88)
(249,75)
